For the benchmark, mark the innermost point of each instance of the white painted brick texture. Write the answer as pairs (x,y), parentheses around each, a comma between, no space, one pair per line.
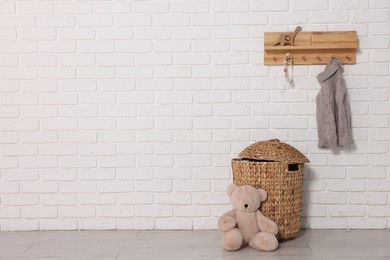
(126,114)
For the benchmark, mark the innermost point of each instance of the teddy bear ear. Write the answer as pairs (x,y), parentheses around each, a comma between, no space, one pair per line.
(232,187)
(263,194)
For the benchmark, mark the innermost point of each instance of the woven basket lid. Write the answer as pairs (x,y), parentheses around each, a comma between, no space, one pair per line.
(273,150)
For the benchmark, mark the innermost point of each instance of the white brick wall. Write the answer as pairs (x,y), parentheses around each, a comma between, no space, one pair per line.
(126,114)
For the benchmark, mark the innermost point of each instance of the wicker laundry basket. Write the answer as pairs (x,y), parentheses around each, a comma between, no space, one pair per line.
(278,168)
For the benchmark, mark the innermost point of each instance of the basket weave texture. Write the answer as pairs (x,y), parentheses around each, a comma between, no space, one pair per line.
(266,165)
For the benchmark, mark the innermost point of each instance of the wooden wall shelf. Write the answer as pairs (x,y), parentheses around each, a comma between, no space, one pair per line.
(312,48)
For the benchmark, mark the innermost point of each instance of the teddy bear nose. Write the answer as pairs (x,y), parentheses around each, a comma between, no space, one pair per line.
(245,205)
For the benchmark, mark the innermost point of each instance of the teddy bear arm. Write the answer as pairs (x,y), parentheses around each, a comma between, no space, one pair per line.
(227,221)
(266,224)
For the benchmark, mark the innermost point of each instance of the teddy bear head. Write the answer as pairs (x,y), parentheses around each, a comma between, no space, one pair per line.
(246,198)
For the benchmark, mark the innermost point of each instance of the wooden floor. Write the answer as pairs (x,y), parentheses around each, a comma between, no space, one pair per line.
(172,245)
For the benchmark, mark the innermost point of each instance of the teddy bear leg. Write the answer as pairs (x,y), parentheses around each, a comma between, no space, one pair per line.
(232,240)
(264,241)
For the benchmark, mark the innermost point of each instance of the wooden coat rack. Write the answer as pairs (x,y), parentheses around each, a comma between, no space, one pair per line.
(311,47)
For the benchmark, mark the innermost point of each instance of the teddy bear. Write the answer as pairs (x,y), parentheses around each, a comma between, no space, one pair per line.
(245,224)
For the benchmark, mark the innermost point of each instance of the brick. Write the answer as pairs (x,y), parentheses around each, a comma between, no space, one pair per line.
(144,123)
(20,199)
(369,16)
(79,111)
(346,185)
(115,186)
(367,198)
(19,124)
(366,172)
(248,19)
(191,211)
(327,198)
(231,110)
(153,34)
(58,174)
(7,8)
(76,211)
(39,212)
(133,20)
(209,19)
(55,21)
(210,46)
(230,58)
(350,5)
(96,72)
(94,20)
(249,71)
(134,174)
(8,34)
(366,223)
(111,8)
(172,46)
(18,73)
(174,223)
(95,47)
(57,47)
(96,223)
(118,161)
(19,149)
(191,59)
(245,96)
(135,198)
(155,161)
(115,211)
(249,123)
(133,47)
(77,161)
(57,73)
(39,137)
(230,7)
(9,187)
(192,160)
(77,137)
(114,33)
(134,73)
(59,124)
(211,72)
(19,225)
(58,224)
(192,33)
(73,7)
(135,223)
(116,137)
(96,199)
(378,185)
(310,5)
(193,135)
(118,85)
(8,61)
(9,213)
(37,34)
(210,198)
(32,162)
(173,148)
(76,34)
(96,174)
(154,59)
(173,199)
(171,20)
(151,7)
(58,99)
(190,7)
(292,18)
(38,187)
(58,149)
(18,21)
(346,211)
(153,211)
(379,4)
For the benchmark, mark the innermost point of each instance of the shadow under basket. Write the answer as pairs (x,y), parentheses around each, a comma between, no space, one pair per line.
(283,182)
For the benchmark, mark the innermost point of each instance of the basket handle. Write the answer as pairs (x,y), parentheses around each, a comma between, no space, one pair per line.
(274,140)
